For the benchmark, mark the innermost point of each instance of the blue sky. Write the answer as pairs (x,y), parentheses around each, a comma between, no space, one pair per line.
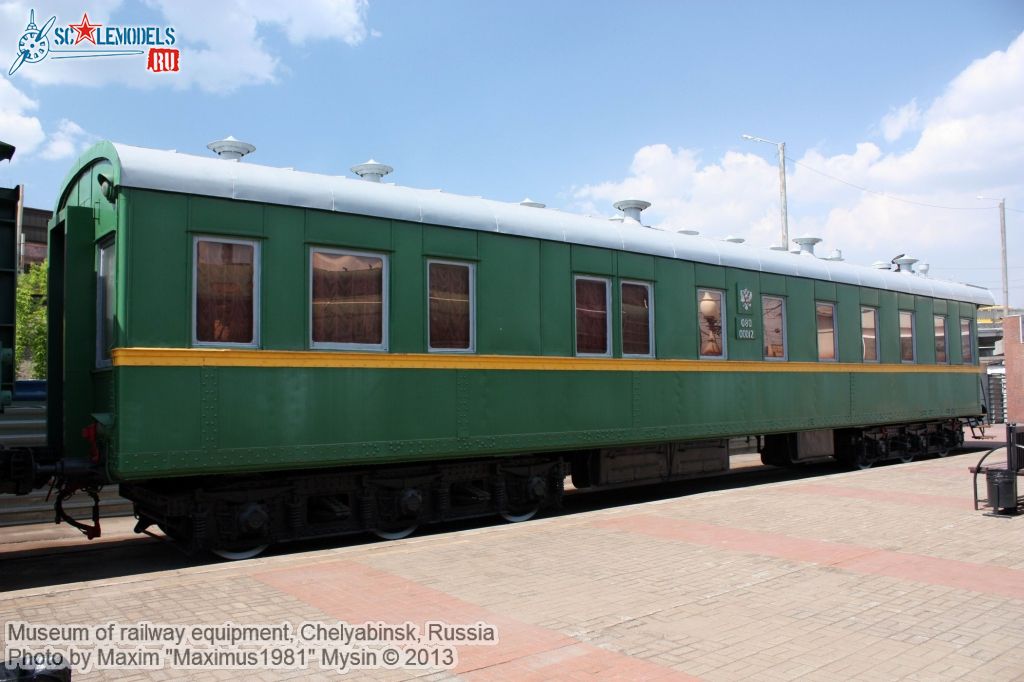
(578,104)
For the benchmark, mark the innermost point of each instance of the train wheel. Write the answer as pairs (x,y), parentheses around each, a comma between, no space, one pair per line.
(906,458)
(519,518)
(395,534)
(240,555)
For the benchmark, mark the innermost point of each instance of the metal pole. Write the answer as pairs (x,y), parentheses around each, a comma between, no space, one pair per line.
(782,192)
(1002,245)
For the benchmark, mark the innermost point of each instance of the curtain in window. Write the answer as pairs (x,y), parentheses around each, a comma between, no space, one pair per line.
(940,339)
(591,316)
(774,334)
(224,292)
(966,350)
(709,322)
(826,314)
(868,333)
(449,306)
(348,298)
(636,319)
(906,336)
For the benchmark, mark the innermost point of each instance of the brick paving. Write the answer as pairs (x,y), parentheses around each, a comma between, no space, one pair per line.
(881,574)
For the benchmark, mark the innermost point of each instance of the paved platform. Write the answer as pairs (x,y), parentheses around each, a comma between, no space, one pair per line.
(882,574)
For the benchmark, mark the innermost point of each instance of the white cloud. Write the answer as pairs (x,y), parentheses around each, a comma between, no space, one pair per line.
(970,140)
(17,126)
(69,140)
(900,121)
(223,44)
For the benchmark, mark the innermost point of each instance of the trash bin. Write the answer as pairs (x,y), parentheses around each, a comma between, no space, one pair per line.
(1002,489)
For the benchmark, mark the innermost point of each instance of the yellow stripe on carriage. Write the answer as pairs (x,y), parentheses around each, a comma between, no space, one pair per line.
(232,357)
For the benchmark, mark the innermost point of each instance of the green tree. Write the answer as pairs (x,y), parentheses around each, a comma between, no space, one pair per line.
(30,318)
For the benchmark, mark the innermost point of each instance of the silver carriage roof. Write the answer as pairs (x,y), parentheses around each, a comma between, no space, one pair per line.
(175,172)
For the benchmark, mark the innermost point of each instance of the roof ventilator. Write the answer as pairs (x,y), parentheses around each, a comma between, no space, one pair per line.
(905,264)
(372,171)
(231,149)
(531,203)
(735,240)
(806,244)
(631,208)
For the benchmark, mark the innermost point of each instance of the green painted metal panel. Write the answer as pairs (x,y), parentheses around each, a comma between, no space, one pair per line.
(675,309)
(79,327)
(556,308)
(593,261)
(407,326)
(447,242)
(906,302)
(159,269)
(736,282)
(773,284)
(940,306)
(848,323)
(636,266)
(207,215)
(709,275)
(825,291)
(888,327)
(205,420)
(802,320)
(159,410)
(869,296)
(508,284)
(284,285)
(342,230)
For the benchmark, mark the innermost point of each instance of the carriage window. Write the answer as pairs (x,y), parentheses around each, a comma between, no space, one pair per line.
(105,297)
(869,333)
(907,336)
(826,316)
(349,295)
(637,319)
(226,280)
(451,302)
(774,318)
(940,339)
(711,323)
(966,346)
(593,323)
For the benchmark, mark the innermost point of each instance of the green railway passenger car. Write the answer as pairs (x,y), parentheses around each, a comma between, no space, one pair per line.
(258,354)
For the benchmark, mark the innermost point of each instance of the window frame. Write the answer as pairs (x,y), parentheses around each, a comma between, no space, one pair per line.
(945,338)
(385,301)
(608,316)
(650,319)
(968,359)
(725,325)
(835,331)
(913,337)
(472,306)
(785,335)
(107,241)
(256,290)
(878,349)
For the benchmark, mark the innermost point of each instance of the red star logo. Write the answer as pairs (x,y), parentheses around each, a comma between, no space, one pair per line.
(85,30)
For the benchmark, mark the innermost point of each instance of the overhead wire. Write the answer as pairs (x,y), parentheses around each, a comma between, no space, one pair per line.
(886,195)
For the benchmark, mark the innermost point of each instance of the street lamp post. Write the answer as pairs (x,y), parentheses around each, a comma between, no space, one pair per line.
(782,183)
(1002,248)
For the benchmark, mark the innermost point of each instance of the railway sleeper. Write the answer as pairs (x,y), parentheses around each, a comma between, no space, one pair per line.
(233,516)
